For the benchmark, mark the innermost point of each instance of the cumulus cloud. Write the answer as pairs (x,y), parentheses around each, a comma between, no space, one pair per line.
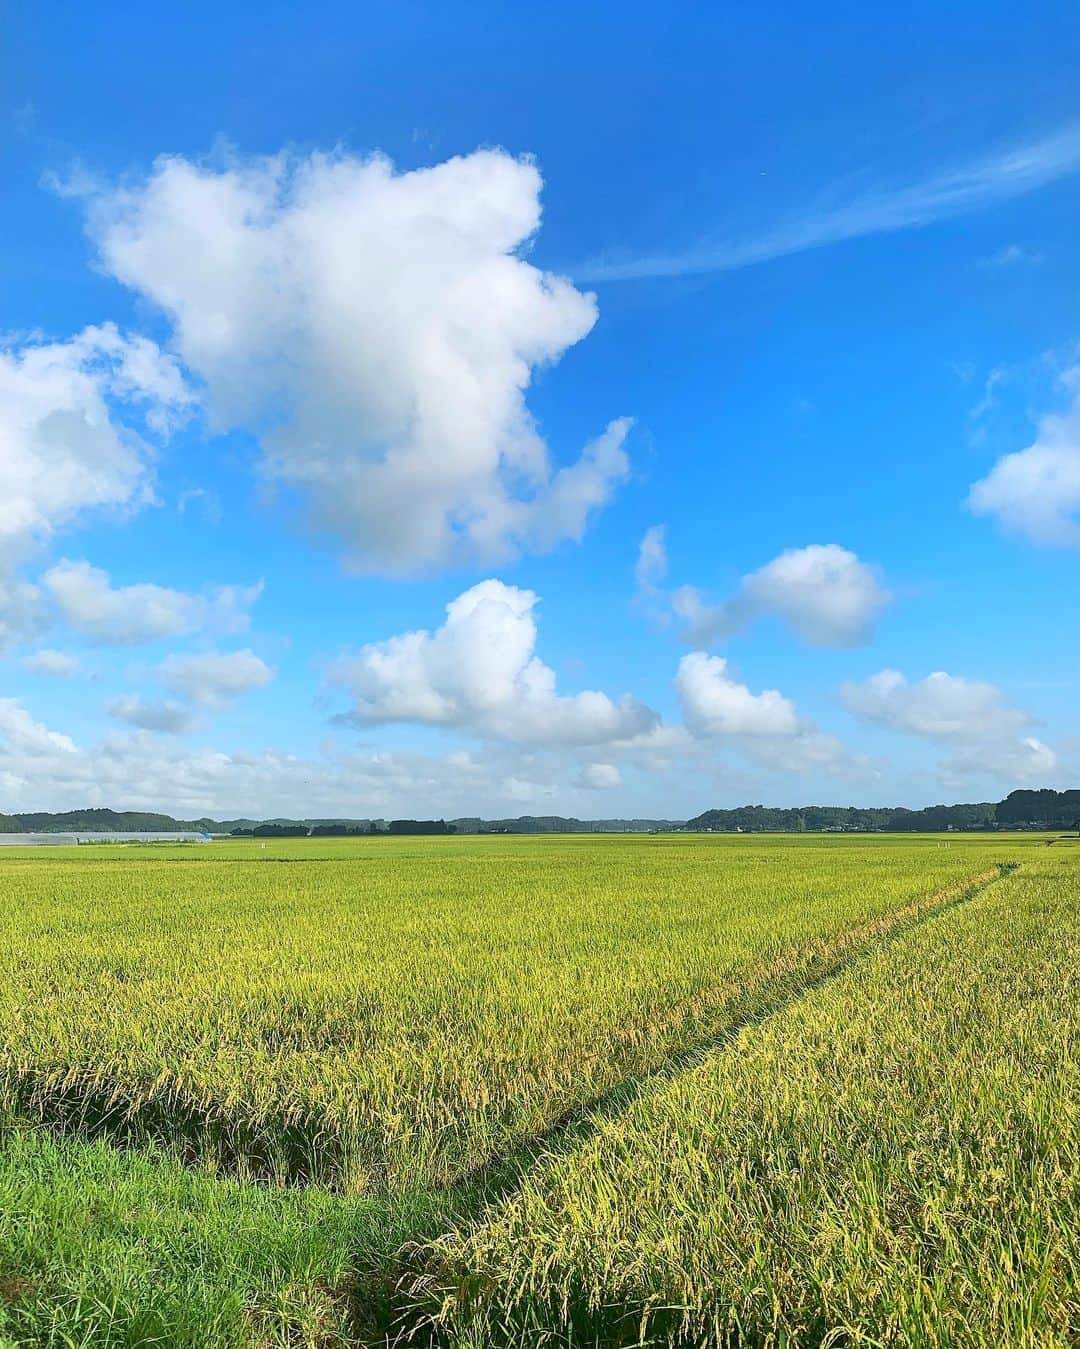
(480,671)
(379,332)
(145,612)
(74,417)
(63,446)
(21,734)
(1026,759)
(715,704)
(215,678)
(825,593)
(940,707)
(764,727)
(21,617)
(599,776)
(1035,492)
(60,664)
(809,748)
(141,770)
(168,717)
(969,716)
(652,562)
(43,770)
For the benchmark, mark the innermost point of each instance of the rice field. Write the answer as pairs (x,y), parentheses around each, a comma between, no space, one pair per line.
(667,1090)
(893,1158)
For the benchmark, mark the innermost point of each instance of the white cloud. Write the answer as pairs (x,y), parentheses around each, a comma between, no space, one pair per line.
(479,671)
(1012,255)
(940,707)
(599,776)
(62,450)
(969,716)
(715,704)
(21,734)
(882,210)
(215,678)
(525,792)
(703,623)
(809,748)
(1025,759)
(71,421)
(765,727)
(147,715)
(1036,491)
(652,563)
(60,664)
(21,618)
(205,500)
(43,770)
(823,592)
(145,612)
(379,332)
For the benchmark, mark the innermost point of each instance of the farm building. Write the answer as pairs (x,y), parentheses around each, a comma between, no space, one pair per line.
(33,840)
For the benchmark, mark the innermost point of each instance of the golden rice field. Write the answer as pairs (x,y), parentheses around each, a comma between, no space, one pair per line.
(693,1090)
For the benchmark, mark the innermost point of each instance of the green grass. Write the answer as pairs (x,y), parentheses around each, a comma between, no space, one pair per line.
(102,1247)
(815,1088)
(892,1159)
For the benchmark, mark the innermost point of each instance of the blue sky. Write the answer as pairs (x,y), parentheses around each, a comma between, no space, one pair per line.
(315,324)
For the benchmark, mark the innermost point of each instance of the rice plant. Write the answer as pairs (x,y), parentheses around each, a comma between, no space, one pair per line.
(394,1015)
(478,1092)
(892,1159)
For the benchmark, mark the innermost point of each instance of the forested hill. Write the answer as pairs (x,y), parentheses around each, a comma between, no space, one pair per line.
(91,821)
(1020,809)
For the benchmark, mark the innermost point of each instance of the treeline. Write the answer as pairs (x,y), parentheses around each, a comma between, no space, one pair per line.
(367,829)
(562,824)
(1057,810)
(466,824)
(1022,809)
(1043,809)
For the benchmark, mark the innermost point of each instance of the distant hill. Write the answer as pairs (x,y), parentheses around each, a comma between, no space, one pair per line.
(91,820)
(560,824)
(129,821)
(1023,809)
(1043,809)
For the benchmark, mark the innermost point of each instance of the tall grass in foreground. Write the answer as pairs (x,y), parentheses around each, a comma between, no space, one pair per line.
(101,1248)
(389,1016)
(892,1160)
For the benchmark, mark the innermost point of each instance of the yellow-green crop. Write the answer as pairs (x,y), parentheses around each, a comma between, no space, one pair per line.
(892,1159)
(399,1014)
(583,1091)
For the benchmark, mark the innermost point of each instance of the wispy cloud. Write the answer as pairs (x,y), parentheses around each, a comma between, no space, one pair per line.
(1015,255)
(883,210)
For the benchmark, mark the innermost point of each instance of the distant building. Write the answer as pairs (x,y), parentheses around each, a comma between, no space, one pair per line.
(90,836)
(32,840)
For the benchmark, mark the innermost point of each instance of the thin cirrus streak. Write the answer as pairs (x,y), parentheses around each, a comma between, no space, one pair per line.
(884,210)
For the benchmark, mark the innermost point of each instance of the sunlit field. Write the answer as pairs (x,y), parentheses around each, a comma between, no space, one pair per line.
(665,1089)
